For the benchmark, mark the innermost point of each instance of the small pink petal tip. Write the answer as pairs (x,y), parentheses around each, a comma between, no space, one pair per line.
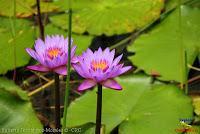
(86,84)
(110,83)
(62,70)
(39,67)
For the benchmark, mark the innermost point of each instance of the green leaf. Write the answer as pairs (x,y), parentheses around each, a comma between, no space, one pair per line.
(24,39)
(140,106)
(161,104)
(25,8)
(47,6)
(174,3)
(194,3)
(110,16)
(83,129)
(17,115)
(160,50)
(82,41)
(196,104)
(12,88)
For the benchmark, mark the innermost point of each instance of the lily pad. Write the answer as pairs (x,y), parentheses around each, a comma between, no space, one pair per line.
(156,106)
(160,49)
(47,7)
(12,88)
(17,115)
(196,104)
(110,16)
(174,3)
(25,8)
(139,107)
(24,38)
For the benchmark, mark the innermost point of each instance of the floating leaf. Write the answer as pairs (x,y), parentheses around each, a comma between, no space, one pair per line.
(173,3)
(196,104)
(194,3)
(24,38)
(25,8)
(83,129)
(160,49)
(17,114)
(12,88)
(139,107)
(160,104)
(110,16)
(48,7)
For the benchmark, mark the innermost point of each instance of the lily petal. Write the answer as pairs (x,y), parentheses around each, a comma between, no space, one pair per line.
(79,70)
(86,84)
(39,67)
(39,46)
(117,60)
(125,69)
(73,50)
(61,70)
(32,53)
(74,59)
(110,83)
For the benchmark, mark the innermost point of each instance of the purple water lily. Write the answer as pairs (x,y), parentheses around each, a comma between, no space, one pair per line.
(52,54)
(100,67)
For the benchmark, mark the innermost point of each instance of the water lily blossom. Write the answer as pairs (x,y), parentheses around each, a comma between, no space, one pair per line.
(100,67)
(52,54)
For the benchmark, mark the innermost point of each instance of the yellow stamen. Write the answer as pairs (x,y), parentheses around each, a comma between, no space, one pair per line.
(53,52)
(102,64)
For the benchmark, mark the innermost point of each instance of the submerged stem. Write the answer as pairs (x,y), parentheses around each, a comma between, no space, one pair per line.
(40,20)
(57,101)
(194,68)
(66,99)
(99,110)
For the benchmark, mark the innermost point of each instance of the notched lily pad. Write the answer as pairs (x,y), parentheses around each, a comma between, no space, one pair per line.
(110,16)
(24,38)
(139,105)
(160,49)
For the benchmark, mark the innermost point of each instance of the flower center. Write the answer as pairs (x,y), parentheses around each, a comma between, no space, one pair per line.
(99,64)
(54,52)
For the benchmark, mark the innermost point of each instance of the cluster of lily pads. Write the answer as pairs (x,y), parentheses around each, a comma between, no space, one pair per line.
(149,30)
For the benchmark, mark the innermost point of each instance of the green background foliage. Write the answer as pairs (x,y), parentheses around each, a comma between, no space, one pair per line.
(139,108)
(162,45)
(158,38)
(16,110)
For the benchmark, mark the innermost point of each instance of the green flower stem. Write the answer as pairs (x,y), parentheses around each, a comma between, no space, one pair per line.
(99,110)
(39,19)
(56,76)
(66,99)
(57,102)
